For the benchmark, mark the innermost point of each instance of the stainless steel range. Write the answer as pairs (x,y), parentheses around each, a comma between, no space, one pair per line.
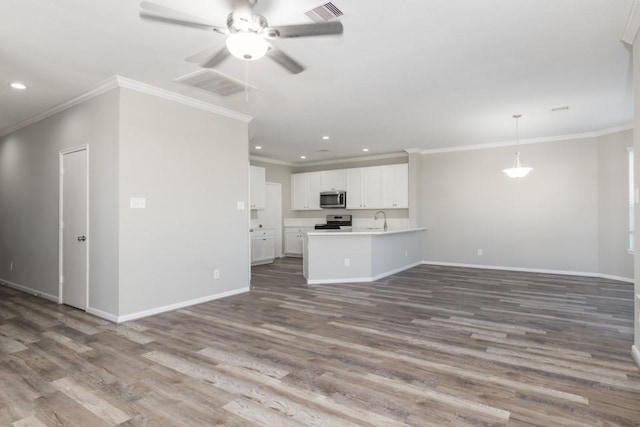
(336,222)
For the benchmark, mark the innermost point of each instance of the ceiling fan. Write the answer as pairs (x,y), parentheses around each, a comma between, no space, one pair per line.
(248,33)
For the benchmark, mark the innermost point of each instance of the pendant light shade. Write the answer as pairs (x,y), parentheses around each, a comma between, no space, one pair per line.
(517,171)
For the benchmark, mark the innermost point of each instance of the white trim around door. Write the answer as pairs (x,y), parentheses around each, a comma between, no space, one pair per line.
(62,153)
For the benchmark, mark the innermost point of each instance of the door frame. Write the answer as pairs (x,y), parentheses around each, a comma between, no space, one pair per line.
(85,148)
(279,227)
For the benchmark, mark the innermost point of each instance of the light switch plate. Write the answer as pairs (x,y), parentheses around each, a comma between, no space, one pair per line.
(240,205)
(137,203)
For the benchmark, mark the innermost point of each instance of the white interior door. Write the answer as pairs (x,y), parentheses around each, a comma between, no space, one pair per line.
(271,216)
(73,233)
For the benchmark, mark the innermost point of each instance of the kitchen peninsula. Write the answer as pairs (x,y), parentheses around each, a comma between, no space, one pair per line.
(359,255)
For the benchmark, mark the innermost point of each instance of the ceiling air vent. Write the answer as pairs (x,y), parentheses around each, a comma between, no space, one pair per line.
(325,12)
(215,82)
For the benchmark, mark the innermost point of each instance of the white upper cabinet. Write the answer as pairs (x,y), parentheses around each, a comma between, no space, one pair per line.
(314,185)
(375,187)
(372,187)
(364,188)
(298,192)
(335,180)
(305,191)
(354,189)
(395,186)
(257,188)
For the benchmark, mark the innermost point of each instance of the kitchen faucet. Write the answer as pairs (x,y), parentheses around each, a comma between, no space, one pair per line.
(375,217)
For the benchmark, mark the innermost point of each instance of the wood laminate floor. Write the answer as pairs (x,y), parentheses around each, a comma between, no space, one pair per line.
(432,346)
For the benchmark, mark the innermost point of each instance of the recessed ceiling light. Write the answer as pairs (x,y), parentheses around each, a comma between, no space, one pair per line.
(258,147)
(303,157)
(18,85)
(365,149)
(325,137)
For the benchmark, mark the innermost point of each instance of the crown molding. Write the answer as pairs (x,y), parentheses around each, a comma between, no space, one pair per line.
(612,130)
(115,82)
(270,160)
(413,150)
(352,159)
(180,99)
(327,162)
(584,135)
(103,87)
(633,24)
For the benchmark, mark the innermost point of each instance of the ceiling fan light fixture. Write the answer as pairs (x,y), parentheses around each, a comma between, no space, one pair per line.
(247,46)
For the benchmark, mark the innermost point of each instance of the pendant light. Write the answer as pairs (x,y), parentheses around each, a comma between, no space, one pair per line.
(517,171)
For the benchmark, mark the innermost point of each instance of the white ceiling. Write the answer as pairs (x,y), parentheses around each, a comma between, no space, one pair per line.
(410,74)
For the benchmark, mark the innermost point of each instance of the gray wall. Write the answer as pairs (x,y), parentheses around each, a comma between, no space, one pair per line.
(613,211)
(192,168)
(29,172)
(549,220)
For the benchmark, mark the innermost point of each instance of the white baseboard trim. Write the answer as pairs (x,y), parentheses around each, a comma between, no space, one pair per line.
(102,314)
(29,290)
(531,270)
(395,270)
(363,279)
(332,281)
(635,353)
(618,278)
(171,307)
(264,262)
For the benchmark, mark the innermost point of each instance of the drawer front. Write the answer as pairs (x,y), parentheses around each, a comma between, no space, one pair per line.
(260,233)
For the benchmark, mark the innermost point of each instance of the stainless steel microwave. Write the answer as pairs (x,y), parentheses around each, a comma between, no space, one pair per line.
(333,199)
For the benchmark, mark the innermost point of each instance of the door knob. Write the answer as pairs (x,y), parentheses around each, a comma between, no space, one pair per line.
(82,238)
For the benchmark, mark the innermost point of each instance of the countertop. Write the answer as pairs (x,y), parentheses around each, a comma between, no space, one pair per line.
(363,231)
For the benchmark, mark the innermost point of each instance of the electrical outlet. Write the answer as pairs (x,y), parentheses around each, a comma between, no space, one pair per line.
(480,252)
(406,252)
(216,274)
(347,262)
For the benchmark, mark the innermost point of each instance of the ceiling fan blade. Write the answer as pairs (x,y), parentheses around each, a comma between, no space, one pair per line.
(305,30)
(209,58)
(156,12)
(285,60)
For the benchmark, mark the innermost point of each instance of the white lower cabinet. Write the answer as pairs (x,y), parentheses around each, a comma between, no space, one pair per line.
(293,240)
(262,247)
